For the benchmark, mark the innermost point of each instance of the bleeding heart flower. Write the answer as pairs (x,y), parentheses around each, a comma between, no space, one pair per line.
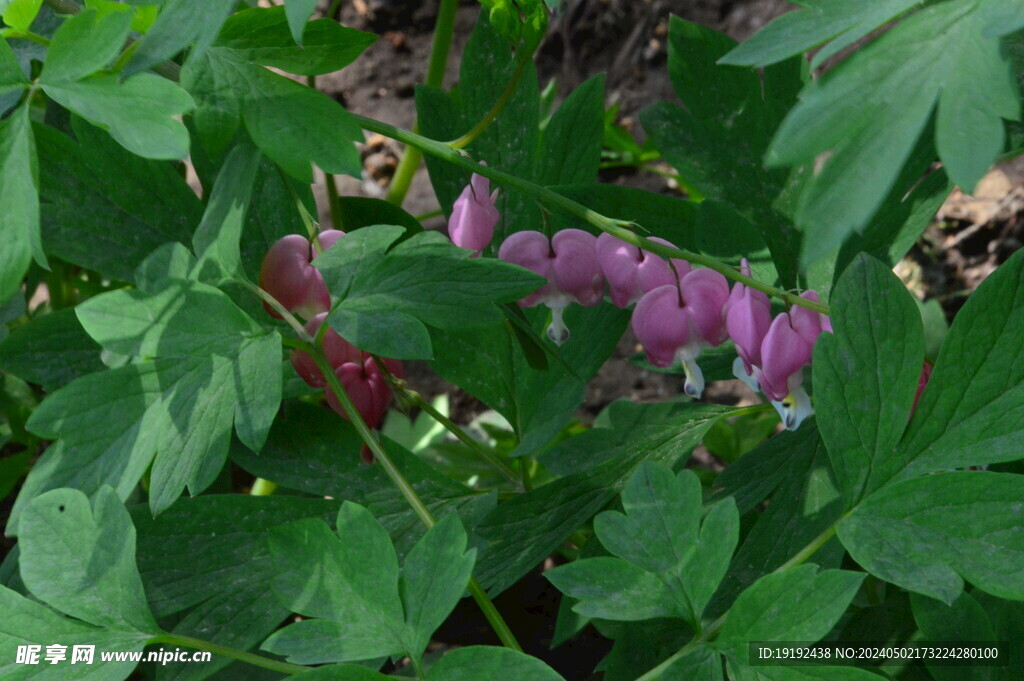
(366,387)
(632,272)
(748,315)
(785,351)
(474,216)
(675,322)
(287,275)
(568,261)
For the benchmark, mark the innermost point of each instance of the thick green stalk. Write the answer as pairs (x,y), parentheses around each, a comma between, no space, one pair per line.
(444,29)
(619,228)
(234,654)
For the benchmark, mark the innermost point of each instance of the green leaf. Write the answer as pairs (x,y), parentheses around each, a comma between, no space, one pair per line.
(180,23)
(360,211)
(51,350)
(292,124)
(615,589)
(1007,618)
(362,610)
(866,374)
(179,406)
(267,36)
(717,141)
(527,528)
(20,14)
(806,504)
(387,297)
(27,622)
(106,209)
(12,78)
(217,238)
(701,664)
(139,113)
(19,196)
(225,597)
(434,577)
(359,611)
(661,548)
(901,78)
(799,604)
(84,44)
(929,534)
(572,139)
(82,560)
(490,364)
(970,412)
(760,471)
(298,13)
(963,620)
(740,671)
(312,450)
(837,22)
(486,662)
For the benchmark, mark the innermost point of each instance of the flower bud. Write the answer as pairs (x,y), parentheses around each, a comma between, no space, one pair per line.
(366,388)
(288,275)
(474,216)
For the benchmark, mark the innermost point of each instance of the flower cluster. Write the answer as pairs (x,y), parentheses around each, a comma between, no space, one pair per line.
(288,275)
(679,310)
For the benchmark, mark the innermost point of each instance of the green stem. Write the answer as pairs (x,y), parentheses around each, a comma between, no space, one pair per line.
(167,69)
(234,654)
(417,667)
(412,498)
(444,29)
(497,622)
(618,228)
(809,550)
(499,106)
(270,300)
(29,35)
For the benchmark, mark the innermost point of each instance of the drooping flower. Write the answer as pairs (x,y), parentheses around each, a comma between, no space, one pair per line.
(474,215)
(785,351)
(676,321)
(631,272)
(358,372)
(366,387)
(748,316)
(288,275)
(568,261)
